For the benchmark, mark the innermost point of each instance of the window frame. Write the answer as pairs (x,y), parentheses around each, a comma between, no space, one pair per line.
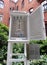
(1,4)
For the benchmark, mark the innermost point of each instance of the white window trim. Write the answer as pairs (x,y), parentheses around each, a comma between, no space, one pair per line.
(30,0)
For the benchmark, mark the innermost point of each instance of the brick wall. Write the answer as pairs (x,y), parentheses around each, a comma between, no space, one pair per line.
(21,5)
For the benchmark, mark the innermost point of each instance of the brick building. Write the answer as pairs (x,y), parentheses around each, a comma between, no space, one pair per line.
(22,5)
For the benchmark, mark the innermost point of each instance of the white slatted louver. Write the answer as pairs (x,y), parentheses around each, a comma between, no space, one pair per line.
(18,25)
(37,25)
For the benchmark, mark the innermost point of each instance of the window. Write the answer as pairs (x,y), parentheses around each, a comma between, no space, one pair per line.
(1,4)
(22,3)
(1,18)
(46,28)
(30,0)
(11,8)
(30,10)
(15,1)
(16,7)
(45,5)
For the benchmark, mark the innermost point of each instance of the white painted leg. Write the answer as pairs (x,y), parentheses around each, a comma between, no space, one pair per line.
(28,62)
(9,56)
(25,52)
(25,62)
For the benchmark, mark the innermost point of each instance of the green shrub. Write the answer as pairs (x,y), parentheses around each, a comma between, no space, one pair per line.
(41,61)
(3,43)
(43,46)
(19,48)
